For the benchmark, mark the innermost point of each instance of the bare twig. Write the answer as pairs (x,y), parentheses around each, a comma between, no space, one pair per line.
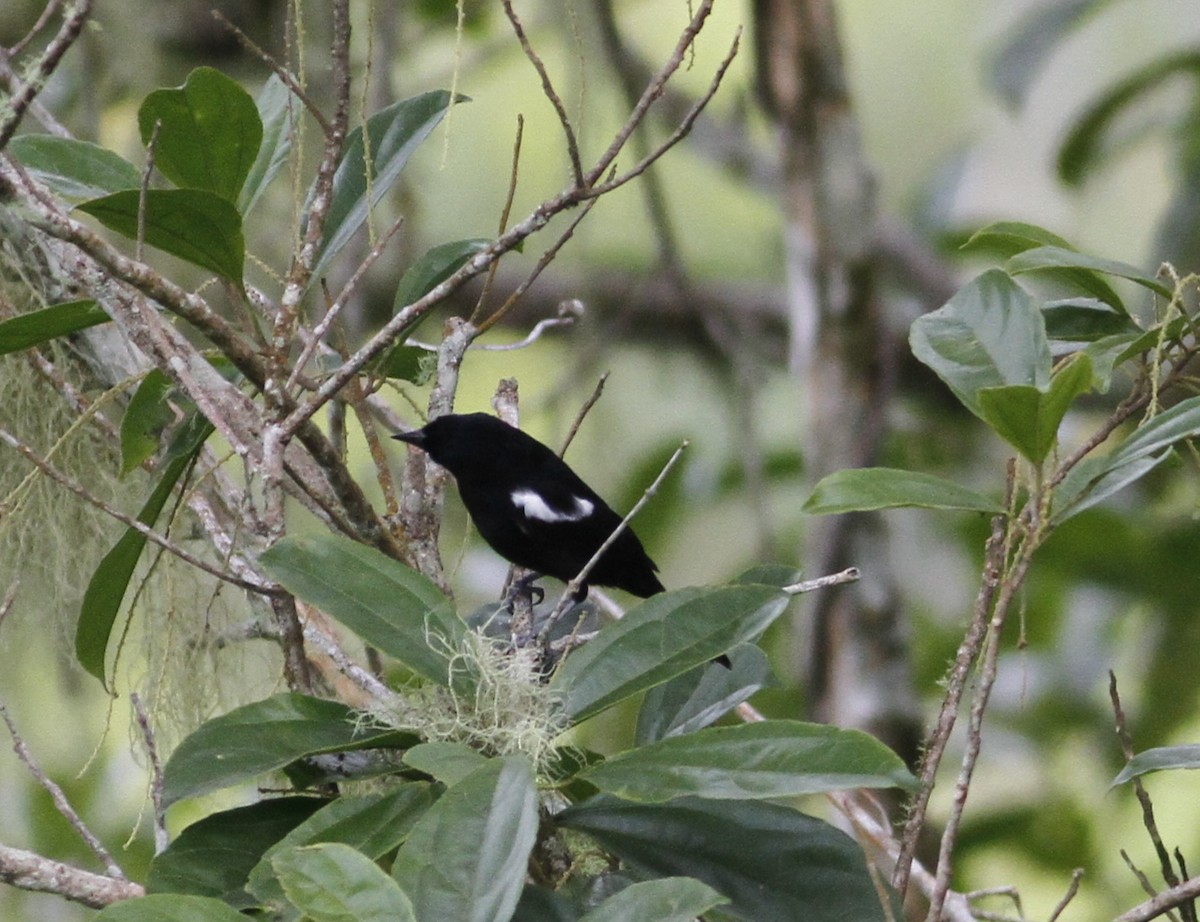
(28,871)
(28,89)
(161,838)
(551,94)
(60,800)
(849,575)
(10,596)
(583,412)
(568,313)
(1072,889)
(83,493)
(288,78)
(144,190)
(574,585)
(1162,903)
(505,214)
(50,11)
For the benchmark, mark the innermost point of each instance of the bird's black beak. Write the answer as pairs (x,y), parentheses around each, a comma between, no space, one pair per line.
(414,437)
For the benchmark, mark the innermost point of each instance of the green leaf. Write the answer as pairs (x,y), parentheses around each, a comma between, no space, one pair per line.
(1085,320)
(373,824)
(214,856)
(1157,760)
(661,638)
(1027,418)
(394,134)
(170,907)
(1007,238)
(433,268)
(195,225)
(334,883)
(110,581)
(466,858)
(1085,145)
(389,605)
(1097,478)
(278,113)
(1056,258)
(700,696)
(865,489)
(448,763)
(769,860)
(756,761)
(74,169)
(668,899)
(261,737)
(990,334)
(210,133)
(147,415)
(49,323)
(409,363)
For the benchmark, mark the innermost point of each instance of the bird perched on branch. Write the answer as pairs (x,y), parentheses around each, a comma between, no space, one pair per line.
(531,507)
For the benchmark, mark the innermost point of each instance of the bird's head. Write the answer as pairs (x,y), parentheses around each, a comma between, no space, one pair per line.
(464,442)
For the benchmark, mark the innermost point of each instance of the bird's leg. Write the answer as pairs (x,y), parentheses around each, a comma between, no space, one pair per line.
(519,598)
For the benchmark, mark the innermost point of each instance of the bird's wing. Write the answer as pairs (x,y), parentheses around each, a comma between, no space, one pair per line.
(551,503)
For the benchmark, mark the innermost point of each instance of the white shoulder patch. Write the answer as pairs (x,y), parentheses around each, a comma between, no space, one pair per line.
(534,507)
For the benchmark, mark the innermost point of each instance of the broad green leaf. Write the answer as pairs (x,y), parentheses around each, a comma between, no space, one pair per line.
(389,605)
(1165,430)
(209,133)
(261,737)
(661,638)
(278,111)
(538,904)
(1090,137)
(334,883)
(214,856)
(448,763)
(668,899)
(769,860)
(196,225)
(393,134)
(990,334)
(434,267)
(770,759)
(147,415)
(1008,238)
(1049,258)
(1027,418)
(170,907)
(1085,320)
(864,489)
(466,858)
(409,363)
(373,824)
(700,696)
(1159,759)
(74,169)
(49,323)
(106,589)
(1106,354)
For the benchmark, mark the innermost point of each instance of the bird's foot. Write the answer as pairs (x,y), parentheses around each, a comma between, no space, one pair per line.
(524,586)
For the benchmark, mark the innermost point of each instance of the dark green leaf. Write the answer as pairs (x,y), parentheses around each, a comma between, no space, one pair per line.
(1085,320)
(433,268)
(466,858)
(1106,354)
(700,696)
(865,489)
(261,737)
(106,589)
(214,856)
(74,169)
(373,824)
(1159,759)
(147,415)
(409,363)
(209,134)
(448,763)
(1028,418)
(1165,430)
(170,907)
(332,882)
(668,899)
(540,905)
(195,225)
(772,862)
(49,323)
(770,759)
(389,605)
(1085,145)
(278,113)
(1056,258)
(394,133)
(1007,238)
(661,638)
(990,334)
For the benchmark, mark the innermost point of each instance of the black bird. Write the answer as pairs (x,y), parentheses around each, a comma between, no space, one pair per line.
(531,507)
